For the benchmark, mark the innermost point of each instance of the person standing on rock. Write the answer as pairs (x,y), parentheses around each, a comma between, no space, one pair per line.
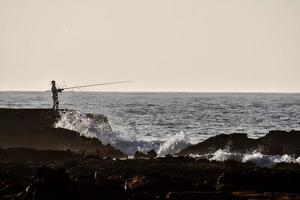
(55,92)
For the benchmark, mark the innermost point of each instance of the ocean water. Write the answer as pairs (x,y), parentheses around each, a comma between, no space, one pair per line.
(166,122)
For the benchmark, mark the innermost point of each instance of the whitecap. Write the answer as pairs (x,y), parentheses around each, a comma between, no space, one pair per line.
(174,144)
(89,127)
(224,154)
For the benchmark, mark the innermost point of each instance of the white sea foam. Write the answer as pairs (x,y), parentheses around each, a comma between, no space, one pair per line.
(130,142)
(223,155)
(269,160)
(259,159)
(125,141)
(255,157)
(77,121)
(174,144)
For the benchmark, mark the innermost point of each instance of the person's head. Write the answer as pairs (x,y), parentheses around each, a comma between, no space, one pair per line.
(53,82)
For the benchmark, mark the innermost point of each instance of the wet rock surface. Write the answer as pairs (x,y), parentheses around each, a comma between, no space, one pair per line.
(68,175)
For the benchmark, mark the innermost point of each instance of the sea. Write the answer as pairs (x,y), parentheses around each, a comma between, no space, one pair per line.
(166,122)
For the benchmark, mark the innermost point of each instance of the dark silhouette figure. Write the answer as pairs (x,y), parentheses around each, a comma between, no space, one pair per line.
(55,92)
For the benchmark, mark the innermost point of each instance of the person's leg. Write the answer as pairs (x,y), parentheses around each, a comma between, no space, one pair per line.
(54,104)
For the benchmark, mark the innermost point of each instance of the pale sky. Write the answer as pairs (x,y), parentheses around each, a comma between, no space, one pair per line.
(162,45)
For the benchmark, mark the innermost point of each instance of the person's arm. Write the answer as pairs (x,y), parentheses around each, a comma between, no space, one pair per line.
(60,90)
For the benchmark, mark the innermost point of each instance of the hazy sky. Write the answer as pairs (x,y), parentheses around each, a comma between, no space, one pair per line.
(162,45)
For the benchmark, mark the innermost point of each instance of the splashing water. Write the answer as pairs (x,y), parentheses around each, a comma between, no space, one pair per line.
(128,143)
(255,157)
(223,155)
(86,126)
(174,144)
(269,160)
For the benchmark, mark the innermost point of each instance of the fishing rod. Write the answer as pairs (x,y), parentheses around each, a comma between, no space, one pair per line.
(92,85)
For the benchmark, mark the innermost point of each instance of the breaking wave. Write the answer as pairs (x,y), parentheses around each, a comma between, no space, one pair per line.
(86,126)
(130,142)
(255,157)
(174,144)
(127,142)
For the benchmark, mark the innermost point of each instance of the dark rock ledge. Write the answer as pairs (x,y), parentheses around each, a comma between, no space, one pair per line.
(274,143)
(33,128)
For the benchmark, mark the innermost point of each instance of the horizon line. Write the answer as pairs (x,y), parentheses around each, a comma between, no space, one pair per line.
(140,91)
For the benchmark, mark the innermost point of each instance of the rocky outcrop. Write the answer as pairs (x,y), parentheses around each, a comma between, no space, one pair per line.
(41,174)
(152,153)
(280,142)
(274,143)
(149,154)
(33,128)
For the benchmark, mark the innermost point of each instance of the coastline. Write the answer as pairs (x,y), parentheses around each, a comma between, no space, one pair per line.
(30,174)
(40,161)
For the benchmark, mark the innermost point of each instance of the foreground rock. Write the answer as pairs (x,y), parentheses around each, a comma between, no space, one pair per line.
(274,143)
(65,175)
(149,154)
(33,128)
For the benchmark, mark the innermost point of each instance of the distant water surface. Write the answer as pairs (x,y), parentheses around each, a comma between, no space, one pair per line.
(151,119)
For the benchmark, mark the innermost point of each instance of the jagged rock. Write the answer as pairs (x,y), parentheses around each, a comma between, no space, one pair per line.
(274,143)
(151,154)
(139,154)
(280,142)
(168,156)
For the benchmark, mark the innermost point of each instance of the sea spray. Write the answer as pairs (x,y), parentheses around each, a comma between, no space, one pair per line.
(223,155)
(259,159)
(269,160)
(76,121)
(174,144)
(131,142)
(254,157)
(86,126)
(89,127)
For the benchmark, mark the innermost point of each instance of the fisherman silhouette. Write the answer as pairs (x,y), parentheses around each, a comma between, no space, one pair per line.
(55,92)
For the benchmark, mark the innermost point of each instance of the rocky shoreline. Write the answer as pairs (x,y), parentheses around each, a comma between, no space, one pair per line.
(42,174)
(38,161)
(273,143)
(34,128)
